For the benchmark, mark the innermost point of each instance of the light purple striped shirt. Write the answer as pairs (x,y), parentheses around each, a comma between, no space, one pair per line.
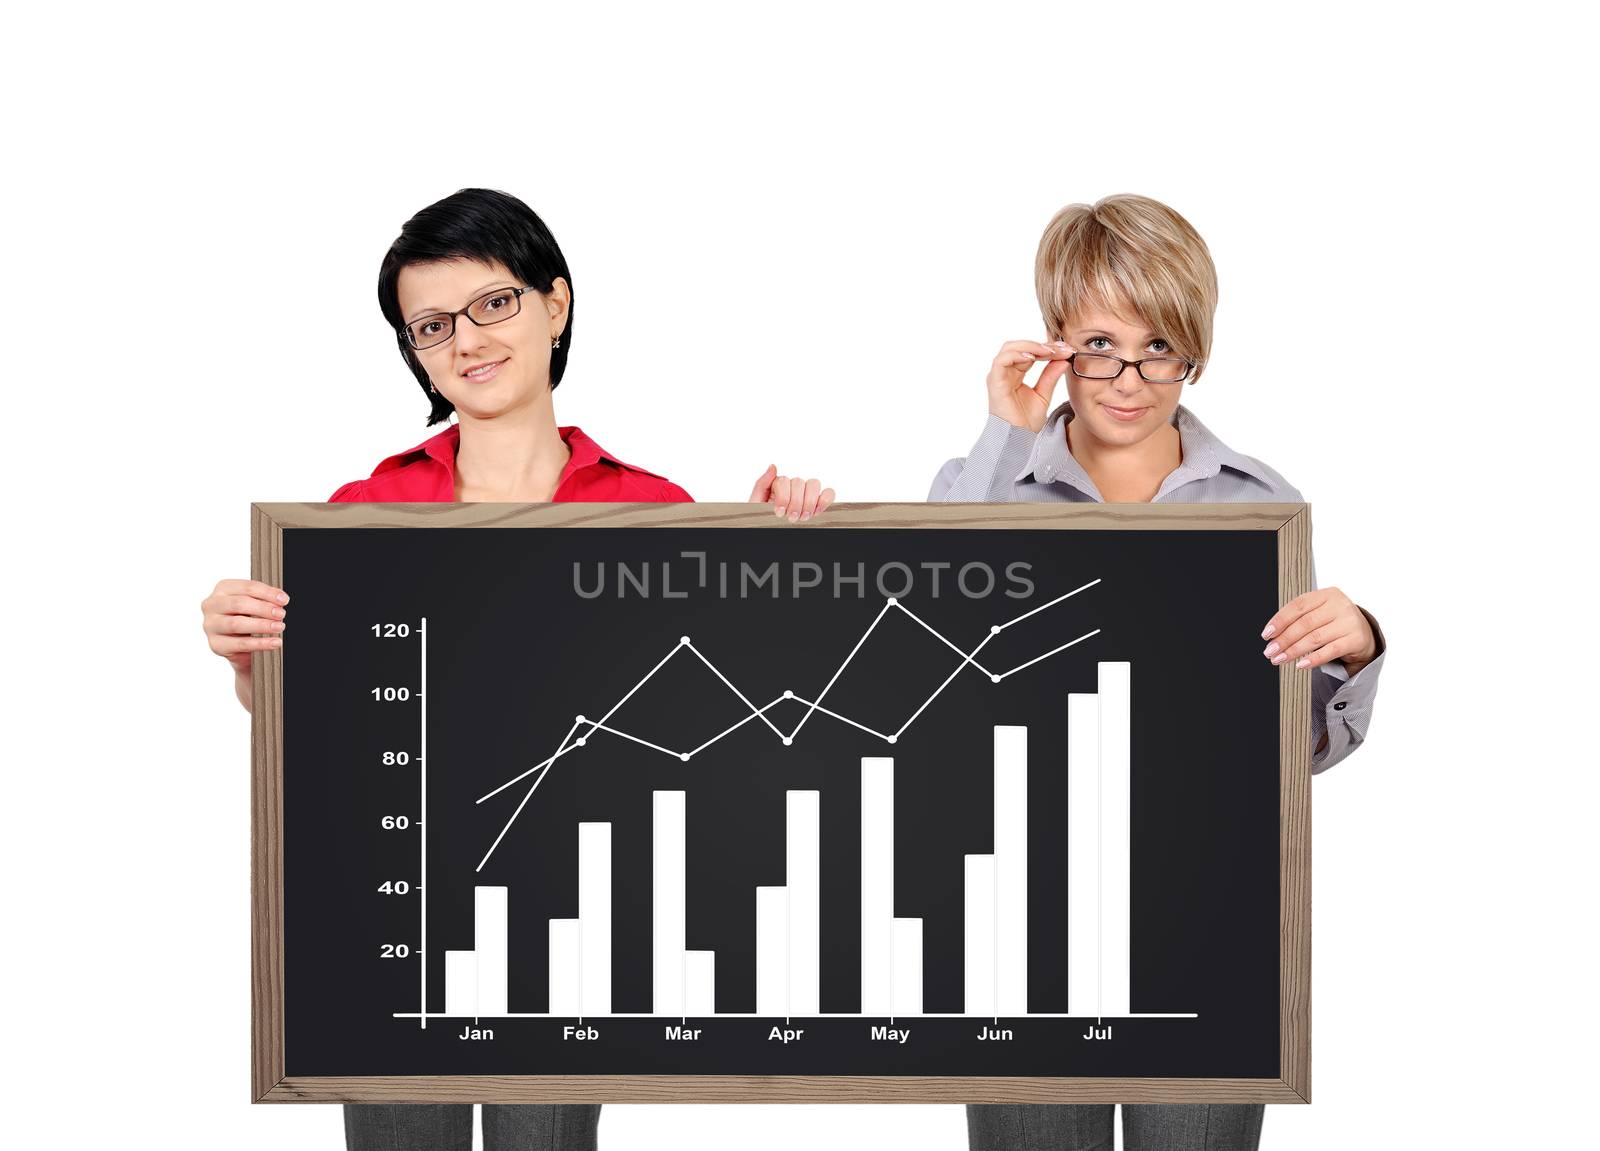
(1009,464)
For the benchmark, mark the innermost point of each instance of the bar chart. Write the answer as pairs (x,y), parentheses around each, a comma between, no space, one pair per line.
(788,917)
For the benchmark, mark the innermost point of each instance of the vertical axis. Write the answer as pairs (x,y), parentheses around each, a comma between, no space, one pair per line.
(422,821)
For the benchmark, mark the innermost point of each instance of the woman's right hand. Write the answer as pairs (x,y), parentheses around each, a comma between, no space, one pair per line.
(243,616)
(1011,397)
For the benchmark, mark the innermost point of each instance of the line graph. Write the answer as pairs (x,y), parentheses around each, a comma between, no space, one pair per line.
(568,744)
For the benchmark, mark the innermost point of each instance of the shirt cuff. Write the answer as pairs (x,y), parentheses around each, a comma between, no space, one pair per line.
(1343,702)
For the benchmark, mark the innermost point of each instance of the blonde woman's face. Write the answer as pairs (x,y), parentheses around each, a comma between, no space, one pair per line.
(1127,409)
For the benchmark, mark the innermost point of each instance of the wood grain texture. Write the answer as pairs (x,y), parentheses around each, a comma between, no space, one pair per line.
(1291,523)
(1099,517)
(1294,824)
(266,829)
(773,1089)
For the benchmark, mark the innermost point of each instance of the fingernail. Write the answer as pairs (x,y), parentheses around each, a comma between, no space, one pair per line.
(1304,660)
(1271,649)
(283,597)
(781,510)
(277,613)
(278,625)
(1268,631)
(804,516)
(1279,658)
(275,640)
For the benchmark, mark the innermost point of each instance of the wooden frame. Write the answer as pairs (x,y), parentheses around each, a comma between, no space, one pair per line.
(1290,522)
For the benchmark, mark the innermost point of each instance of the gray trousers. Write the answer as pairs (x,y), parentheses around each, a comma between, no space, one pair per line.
(448,1127)
(1087,1126)
(990,1127)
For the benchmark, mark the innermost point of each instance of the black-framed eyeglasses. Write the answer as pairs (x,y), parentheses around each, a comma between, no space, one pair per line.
(1162,370)
(490,308)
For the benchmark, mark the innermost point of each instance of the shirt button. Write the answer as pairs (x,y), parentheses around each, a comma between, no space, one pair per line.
(1340,705)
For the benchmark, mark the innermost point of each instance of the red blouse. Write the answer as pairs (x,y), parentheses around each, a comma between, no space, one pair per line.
(427,474)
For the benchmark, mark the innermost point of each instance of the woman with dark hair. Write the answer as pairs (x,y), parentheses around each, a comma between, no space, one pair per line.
(481,302)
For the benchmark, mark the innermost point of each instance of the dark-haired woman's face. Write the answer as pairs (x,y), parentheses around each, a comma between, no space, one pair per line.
(490,369)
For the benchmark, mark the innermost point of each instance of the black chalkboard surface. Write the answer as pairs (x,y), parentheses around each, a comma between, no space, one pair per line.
(716,798)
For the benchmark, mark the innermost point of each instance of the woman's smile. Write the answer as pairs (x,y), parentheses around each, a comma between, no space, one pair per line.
(1126,415)
(484,371)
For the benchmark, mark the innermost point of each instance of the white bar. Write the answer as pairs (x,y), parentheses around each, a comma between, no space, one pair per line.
(668,903)
(1116,859)
(460,983)
(877,884)
(908,967)
(980,935)
(594,910)
(1011,869)
(804,881)
(1083,853)
(700,983)
(489,927)
(772,951)
(566,967)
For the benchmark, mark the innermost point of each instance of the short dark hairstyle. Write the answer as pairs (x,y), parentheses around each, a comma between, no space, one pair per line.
(474,224)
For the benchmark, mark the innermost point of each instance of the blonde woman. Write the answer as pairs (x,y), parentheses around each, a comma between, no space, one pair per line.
(1127,291)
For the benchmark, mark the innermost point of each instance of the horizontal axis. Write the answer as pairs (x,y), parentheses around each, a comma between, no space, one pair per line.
(823,1015)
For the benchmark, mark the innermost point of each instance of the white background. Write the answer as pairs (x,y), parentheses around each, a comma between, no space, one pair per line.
(798,237)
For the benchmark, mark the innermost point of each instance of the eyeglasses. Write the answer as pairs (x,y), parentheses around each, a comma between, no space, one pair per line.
(490,308)
(1157,371)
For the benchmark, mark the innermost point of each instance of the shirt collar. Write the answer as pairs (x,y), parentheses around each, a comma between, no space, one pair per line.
(583,452)
(1204,455)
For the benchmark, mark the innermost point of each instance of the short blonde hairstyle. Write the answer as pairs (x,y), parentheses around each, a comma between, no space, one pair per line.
(1125,254)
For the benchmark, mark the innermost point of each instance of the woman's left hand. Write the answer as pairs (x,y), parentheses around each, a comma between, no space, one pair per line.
(790,496)
(1319,626)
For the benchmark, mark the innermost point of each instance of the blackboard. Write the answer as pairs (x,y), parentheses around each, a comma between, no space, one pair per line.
(913,802)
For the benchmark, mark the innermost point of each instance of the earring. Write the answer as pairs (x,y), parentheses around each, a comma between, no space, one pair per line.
(433,389)
(555,343)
